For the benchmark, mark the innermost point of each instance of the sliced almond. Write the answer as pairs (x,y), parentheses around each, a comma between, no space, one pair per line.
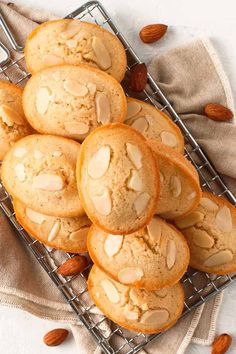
(169,139)
(71,30)
(219,258)
(92,88)
(48,182)
(130,275)
(191,195)
(208,204)
(175,186)
(161,293)
(43,98)
(224,219)
(113,244)
(102,54)
(38,154)
(103,110)
(110,291)
(149,119)
(203,239)
(52,60)
(140,124)
(20,172)
(102,203)
(71,43)
(74,88)
(56,153)
(79,234)
(134,155)
(155,318)
(78,128)
(54,231)
(99,162)
(133,108)
(154,229)
(141,203)
(20,152)
(144,306)
(131,315)
(190,220)
(135,182)
(34,216)
(170,254)
(10,117)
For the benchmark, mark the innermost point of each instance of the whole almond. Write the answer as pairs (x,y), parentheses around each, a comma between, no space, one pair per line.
(73,266)
(138,77)
(221,344)
(218,112)
(55,337)
(152,33)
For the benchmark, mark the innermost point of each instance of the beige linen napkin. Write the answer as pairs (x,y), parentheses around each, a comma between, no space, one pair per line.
(190,76)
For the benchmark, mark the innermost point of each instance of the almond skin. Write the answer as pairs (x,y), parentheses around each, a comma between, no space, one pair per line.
(152,33)
(73,266)
(218,112)
(55,337)
(138,77)
(221,344)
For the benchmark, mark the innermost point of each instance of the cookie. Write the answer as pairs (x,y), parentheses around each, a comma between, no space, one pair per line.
(75,42)
(117,179)
(154,124)
(13,125)
(180,189)
(71,101)
(67,234)
(151,258)
(138,310)
(210,231)
(39,170)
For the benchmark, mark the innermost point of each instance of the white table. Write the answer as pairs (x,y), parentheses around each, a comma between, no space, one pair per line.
(22,333)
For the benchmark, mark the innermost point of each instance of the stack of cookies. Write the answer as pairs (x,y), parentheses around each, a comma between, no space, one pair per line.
(91,170)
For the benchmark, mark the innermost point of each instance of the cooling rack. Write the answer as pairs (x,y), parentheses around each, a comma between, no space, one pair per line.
(199,286)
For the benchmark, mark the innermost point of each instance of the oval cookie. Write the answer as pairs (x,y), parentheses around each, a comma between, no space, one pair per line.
(152,258)
(117,179)
(180,190)
(13,125)
(39,170)
(67,234)
(154,124)
(210,231)
(138,310)
(72,101)
(75,42)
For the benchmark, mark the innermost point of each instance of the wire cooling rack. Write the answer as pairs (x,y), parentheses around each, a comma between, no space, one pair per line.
(199,286)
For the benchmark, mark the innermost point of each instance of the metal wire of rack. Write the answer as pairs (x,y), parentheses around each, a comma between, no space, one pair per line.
(199,286)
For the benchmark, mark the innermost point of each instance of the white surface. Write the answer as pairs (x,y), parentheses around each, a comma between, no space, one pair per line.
(21,333)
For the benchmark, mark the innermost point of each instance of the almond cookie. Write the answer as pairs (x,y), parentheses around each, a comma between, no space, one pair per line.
(13,124)
(67,234)
(39,170)
(180,190)
(72,100)
(154,124)
(152,258)
(117,179)
(210,231)
(75,42)
(138,310)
